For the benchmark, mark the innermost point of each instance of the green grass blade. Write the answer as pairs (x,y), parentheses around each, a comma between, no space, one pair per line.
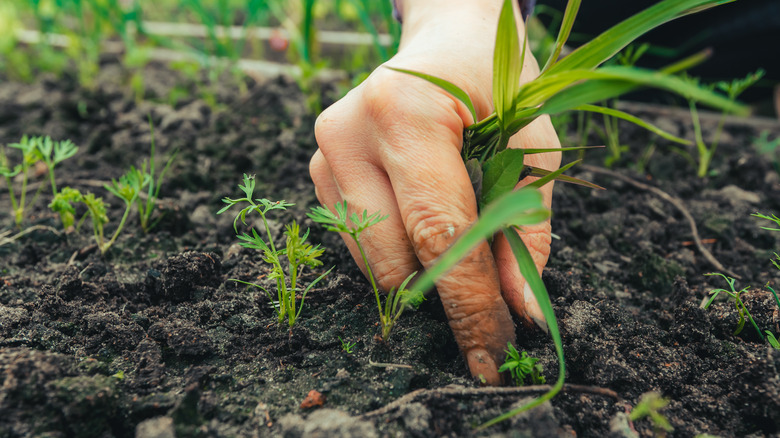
(507,63)
(633,119)
(447,86)
(542,173)
(609,43)
(522,207)
(552,175)
(572,7)
(528,269)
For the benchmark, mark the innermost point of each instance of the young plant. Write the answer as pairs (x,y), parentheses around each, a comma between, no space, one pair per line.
(30,156)
(124,189)
(575,82)
(347,346)
(393,307)
(521,367)
(649,406)
(144,178)
(53,153)
(744,313)
(732,89)
(297,251)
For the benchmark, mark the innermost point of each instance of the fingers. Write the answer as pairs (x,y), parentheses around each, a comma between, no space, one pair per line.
(516,293)
(436,203)
(342,172)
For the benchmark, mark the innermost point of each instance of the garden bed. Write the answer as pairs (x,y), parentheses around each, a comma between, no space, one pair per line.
(154,337)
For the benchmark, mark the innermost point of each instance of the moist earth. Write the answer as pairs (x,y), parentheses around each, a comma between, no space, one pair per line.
(154,339)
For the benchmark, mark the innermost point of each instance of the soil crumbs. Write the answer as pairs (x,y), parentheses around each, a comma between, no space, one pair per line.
(153,339)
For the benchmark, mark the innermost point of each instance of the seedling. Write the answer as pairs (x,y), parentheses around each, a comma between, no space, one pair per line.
(744,313)
(572,83)
(123,189)
(521,367)
(769,148)
(347,346)
(732,89)
(393,307)
(649,406)
(297,251)
(143,178)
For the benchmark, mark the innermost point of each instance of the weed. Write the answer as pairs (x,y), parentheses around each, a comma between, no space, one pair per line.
(649,406)
(733,89)
(521,366)
(347,346)
(393,307)
(297,251)
(144,177)
(572,83)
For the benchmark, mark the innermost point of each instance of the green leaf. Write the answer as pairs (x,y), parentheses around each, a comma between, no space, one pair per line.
(633,119)
(527,267)
(447,86)
(507,64)
(612,41)
(542,173)
(500,174)
(522,207)
(572,7)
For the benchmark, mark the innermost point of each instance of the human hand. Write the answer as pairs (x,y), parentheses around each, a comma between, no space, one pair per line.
(393,145)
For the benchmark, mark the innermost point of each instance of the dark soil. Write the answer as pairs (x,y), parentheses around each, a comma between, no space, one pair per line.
(153,339)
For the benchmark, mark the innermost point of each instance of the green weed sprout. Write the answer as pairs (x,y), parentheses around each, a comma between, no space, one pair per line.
(393,307)
(347,346)
(769,148)
(298,253)
(744,313)
(650,405)
(732,89)
(124,189)
(575,82)
(521,367)
(53,153)
(144,178)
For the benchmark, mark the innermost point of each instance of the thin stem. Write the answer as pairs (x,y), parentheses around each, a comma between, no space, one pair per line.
(118,229)
(704,156)
(370,276)
(14,205)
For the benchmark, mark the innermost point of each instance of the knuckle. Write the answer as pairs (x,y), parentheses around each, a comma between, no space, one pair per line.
(432,233)
(318,168)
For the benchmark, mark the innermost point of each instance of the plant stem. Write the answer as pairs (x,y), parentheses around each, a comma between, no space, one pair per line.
(373,282)
(104,248)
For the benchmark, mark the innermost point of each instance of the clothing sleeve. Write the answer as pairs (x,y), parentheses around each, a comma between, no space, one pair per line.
(526,7)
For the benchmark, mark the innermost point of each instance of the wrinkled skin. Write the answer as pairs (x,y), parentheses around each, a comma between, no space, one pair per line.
(393,145)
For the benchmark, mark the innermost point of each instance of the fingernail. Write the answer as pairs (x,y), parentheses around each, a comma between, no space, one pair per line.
(483,367)
(532,308)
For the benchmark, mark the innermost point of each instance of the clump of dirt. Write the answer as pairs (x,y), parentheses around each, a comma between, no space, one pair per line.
(153,338)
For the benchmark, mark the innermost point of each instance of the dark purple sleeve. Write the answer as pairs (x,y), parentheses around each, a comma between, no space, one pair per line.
(526,7)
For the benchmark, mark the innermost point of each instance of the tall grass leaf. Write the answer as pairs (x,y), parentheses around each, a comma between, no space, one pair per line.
(445,85)
(552,175)
(609,43)
(507,63)
(527,267)
(543,173)
(608,82)
(572,7)
(633,119)
(522,207)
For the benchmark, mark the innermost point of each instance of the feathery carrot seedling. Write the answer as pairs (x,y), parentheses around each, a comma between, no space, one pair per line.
(297,251)
(744,313)
(393,307)
(123,189)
